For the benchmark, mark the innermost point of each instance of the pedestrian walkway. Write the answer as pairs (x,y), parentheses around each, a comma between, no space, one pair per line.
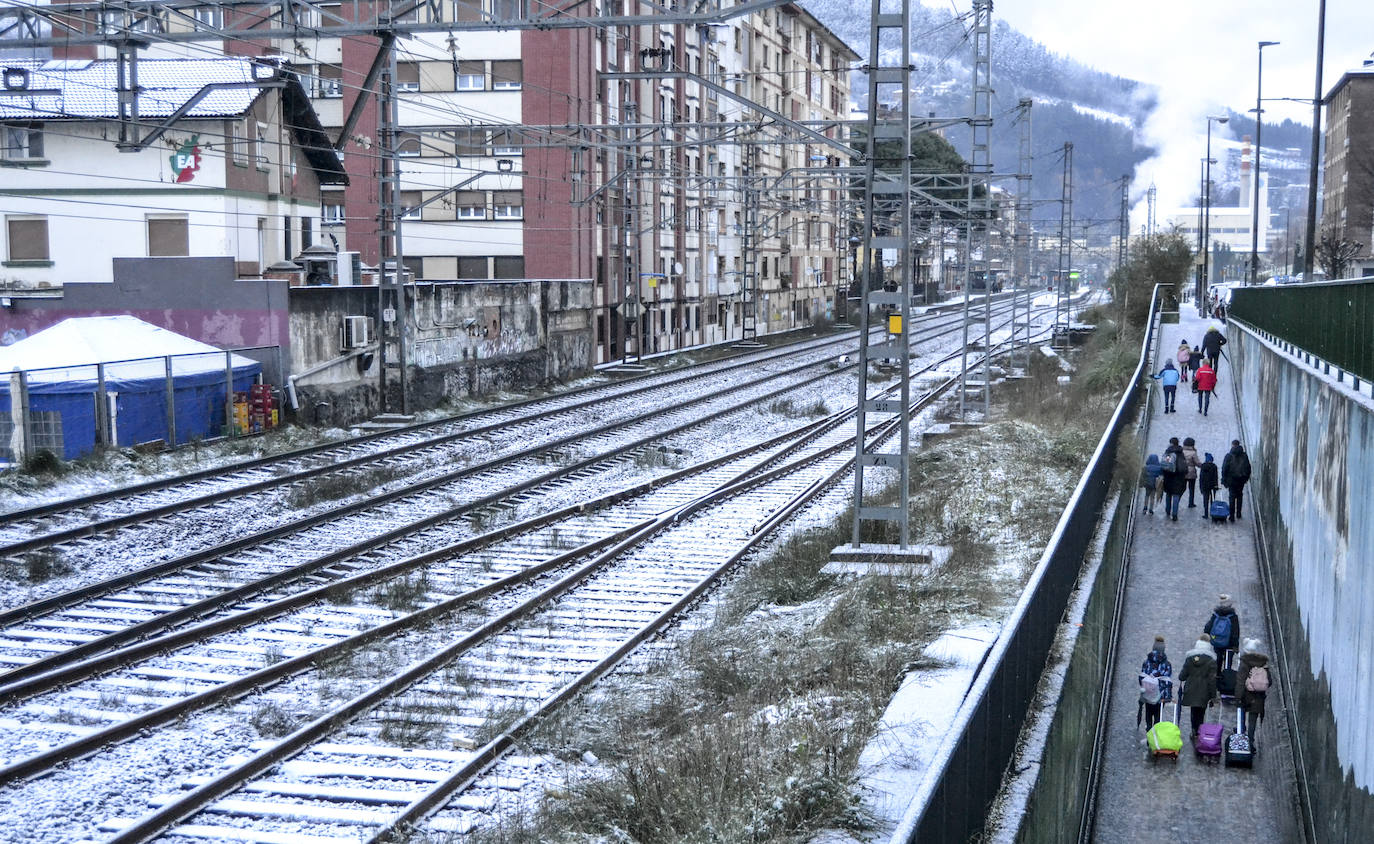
(1176,572)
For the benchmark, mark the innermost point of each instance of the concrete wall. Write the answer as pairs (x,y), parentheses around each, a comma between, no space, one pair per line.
(1311,442)
(468,338)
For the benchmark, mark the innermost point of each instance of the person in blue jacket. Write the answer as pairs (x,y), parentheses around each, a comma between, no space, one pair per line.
(1168,378)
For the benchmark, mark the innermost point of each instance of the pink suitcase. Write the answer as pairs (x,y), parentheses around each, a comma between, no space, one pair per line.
(1208,744)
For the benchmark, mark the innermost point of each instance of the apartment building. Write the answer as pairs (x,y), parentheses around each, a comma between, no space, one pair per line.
(1348,182)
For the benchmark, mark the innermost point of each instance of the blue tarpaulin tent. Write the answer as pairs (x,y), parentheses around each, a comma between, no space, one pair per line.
(62,367)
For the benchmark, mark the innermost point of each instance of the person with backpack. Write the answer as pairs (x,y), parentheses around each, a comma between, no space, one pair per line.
(1253,680)
(1204,384)
(1223,629)
(1168,378)
(1199,679)
(1174,469)
(1156,685)
(1150,482)
(1191,464)
(1207,475)
(1212,342)
(1182,356)
(1235,474)
(1195,361)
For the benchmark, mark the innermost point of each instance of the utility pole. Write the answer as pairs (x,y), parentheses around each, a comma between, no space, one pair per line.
(1309,252)
(894,126)
(976,219)
(1125,220)
(1061,309)
(1024,173)
(391,287)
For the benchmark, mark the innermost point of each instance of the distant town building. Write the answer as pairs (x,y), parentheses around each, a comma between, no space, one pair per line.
(1348,188)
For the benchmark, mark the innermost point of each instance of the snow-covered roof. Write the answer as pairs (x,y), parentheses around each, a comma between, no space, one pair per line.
(69,350)
(86,89)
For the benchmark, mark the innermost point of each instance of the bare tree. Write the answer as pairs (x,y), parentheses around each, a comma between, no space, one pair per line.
(1334,253)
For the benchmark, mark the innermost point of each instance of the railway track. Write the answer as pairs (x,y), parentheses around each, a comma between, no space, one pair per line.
(416,750)
(51,639)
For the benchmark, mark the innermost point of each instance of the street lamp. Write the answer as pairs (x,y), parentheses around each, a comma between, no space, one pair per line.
(1207,212)
(1255,195)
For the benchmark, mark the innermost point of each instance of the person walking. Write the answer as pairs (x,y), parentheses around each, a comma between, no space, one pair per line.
(1175,474)
(1223,629)
(1191,461)
(1207,482)
(1253,680)
(1156,685)
(1212,342)
(1199,679)
(1235,474)
(1168,378)
(1204,383)
(1194,361)
(1149,481)
(1183,355)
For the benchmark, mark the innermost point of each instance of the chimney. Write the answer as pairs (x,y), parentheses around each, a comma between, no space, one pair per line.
(1245,158)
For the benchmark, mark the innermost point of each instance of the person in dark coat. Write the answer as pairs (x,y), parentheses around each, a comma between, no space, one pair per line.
(1251,703)
(1175,483)
(1223,641)
(1207,475)
(1156,665)
(1212,342)
(1192,461)
(1235,474)
(1195,360)
(1199,679)
(1150,482)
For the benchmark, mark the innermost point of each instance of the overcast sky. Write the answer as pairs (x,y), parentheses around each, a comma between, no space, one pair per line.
(1201,55)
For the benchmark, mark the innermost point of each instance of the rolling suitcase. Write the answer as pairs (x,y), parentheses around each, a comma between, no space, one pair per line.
(1208,743)
(1164,738)
(1220,511)
(1239,752)
(1226,678)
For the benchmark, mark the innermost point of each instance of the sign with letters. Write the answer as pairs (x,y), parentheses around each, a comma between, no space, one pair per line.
(185,160)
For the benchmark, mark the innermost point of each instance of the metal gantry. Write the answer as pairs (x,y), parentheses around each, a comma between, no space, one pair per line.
(1022,260)
(976,216)
(1061,303)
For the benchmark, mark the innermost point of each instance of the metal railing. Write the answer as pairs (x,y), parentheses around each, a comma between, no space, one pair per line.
(1330,319)
(965,777)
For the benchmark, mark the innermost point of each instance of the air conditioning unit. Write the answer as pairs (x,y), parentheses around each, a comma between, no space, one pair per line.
(350,269)
(357,332)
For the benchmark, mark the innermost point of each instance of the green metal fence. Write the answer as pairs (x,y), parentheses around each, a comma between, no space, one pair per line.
(1330,320)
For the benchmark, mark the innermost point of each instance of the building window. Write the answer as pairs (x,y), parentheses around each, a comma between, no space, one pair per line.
(505,10)
(509,266)
(467,10)
(408,144)
(508,204)
(332,214)
(503,142)
(238,142)
(261,147)
(472,267)
(407,76)
(472,76)
(27,238)
(410,201)
(208,17)
(506,76)
(330,81)
(472,205)
(469,142)
(307,232)
(21,143)
(168,236)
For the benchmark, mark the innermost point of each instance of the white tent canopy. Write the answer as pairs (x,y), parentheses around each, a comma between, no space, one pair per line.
(133,350)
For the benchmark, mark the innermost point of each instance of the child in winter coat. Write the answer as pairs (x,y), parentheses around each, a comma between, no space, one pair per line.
(1150,482)
(1157,691)
(1207,482)
(1253,679)
(1195,359)
(1204,384)
(1191,460)
(1183,355)
(1168,378)
(1223,629)
(1199,679)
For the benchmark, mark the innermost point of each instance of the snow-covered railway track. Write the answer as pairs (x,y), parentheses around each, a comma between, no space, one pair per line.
(358,769)
(54,524)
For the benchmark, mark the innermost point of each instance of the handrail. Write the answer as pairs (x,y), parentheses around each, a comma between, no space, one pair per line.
(966,775)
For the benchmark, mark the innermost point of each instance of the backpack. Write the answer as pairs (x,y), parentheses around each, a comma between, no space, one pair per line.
(1150,691)
(1257,681)
(1240,466)
(1221,631)
(1169,462)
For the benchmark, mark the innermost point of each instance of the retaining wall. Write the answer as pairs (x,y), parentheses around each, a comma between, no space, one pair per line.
(1311,443)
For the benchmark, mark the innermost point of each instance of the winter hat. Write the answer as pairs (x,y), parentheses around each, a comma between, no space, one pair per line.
(1189,441)
(1159,644)
(1224,599)
(1252,646)
(1208,455)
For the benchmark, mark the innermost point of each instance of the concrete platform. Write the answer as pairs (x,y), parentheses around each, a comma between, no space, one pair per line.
(886,560)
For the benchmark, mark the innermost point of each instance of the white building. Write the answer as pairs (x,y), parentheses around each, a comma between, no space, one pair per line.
(239,175)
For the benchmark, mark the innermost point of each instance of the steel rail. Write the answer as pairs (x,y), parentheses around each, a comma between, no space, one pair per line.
(226,782)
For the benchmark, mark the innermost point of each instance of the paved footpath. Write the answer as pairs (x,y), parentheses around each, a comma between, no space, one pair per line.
(1177,570)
